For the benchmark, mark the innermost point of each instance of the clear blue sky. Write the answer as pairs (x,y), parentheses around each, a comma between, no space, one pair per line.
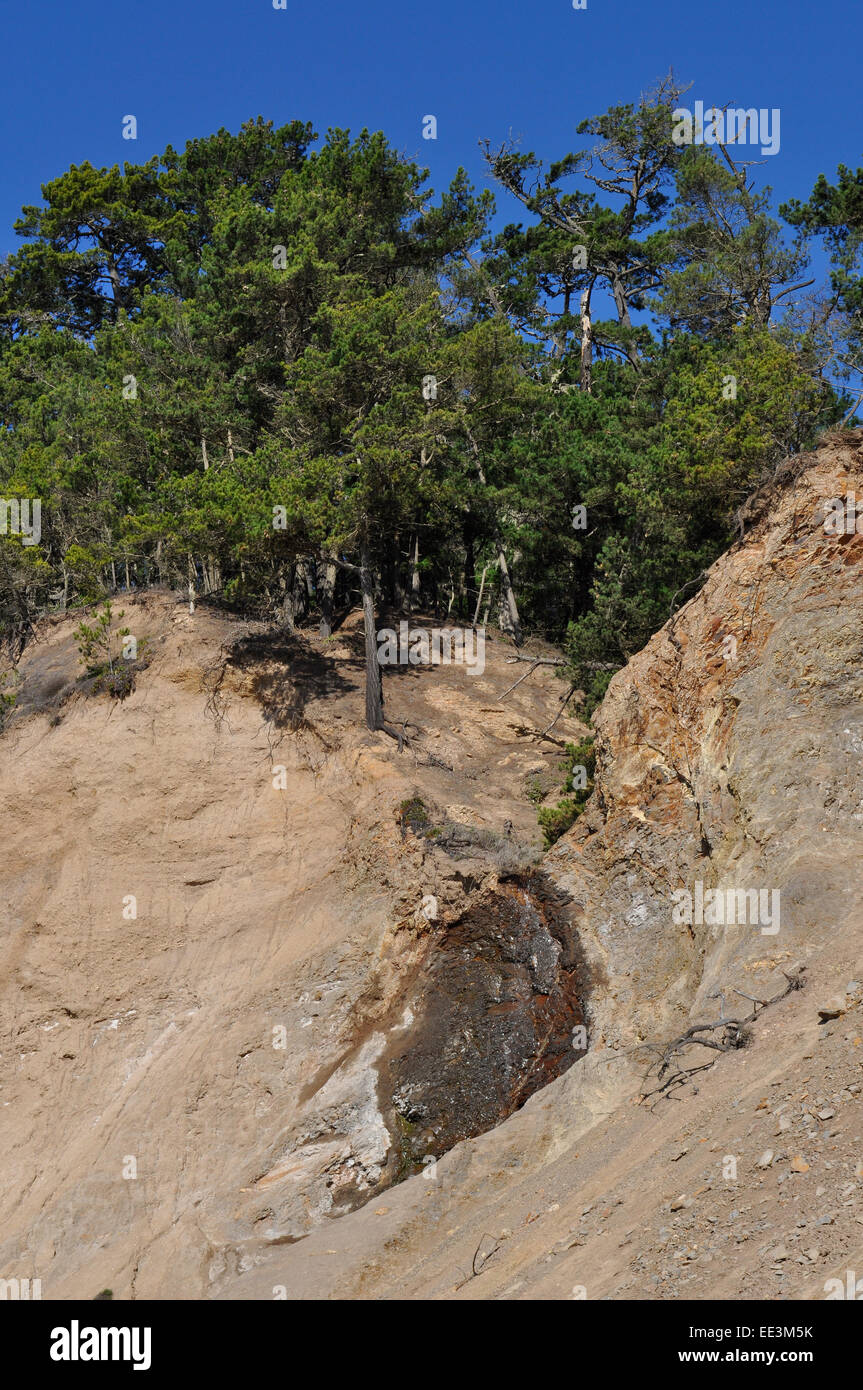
(532,68)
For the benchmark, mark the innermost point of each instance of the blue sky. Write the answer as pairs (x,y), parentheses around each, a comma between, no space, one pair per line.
(482,67)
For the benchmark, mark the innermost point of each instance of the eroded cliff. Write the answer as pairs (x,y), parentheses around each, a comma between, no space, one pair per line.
(337,973)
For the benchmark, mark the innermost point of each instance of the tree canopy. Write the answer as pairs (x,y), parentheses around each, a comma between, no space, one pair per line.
(281,371)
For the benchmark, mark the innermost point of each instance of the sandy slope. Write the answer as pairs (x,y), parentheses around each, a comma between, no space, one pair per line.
(746,1181)
(260,909)
(257,910)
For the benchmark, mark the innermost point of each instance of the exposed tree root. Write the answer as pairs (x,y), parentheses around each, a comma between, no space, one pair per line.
(730,1035)
(400,735)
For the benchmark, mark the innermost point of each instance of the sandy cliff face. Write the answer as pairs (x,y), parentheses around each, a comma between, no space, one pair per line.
(420,979)
(231,1043)
(733,765)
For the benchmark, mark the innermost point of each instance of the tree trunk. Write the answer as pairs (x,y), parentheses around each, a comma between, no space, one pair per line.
(620,302)
(451,594)
(509,608)
(374,690)
(512,623)
(586,341)
(469,580)
(286,584)
(479,600)
(622,305)
(415,572)
(117,289)
(300,591)
(399,597)
(326,592)
(374,687)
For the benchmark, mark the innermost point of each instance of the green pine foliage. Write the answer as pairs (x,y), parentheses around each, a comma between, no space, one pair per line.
(100,645)
(241,331)
(580,763)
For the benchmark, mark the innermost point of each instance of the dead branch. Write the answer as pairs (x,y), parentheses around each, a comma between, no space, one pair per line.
(432,760)
(538,660)
(474,1271)
(734,1033)
(562,661)
(846,418)
(565,699)
(519,681)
